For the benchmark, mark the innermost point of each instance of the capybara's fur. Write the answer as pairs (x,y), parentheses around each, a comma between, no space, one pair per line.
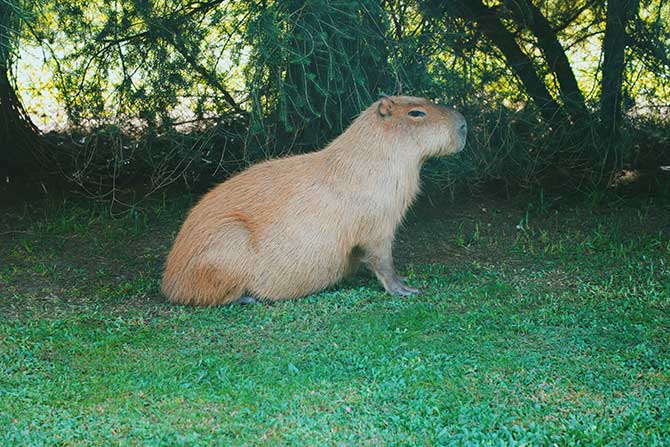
(289,227)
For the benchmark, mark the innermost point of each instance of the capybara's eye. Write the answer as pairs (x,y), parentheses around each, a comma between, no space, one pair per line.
(416,113)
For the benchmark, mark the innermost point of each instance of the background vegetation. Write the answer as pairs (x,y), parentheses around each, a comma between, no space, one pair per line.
(118,95)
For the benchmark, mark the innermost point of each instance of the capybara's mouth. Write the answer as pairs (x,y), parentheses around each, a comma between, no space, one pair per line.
(463,141)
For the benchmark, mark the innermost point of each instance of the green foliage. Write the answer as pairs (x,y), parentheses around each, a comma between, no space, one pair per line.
(162,91)
(313,67)
(135,59)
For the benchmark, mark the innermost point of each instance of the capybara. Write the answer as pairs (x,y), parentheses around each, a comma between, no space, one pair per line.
(289,227)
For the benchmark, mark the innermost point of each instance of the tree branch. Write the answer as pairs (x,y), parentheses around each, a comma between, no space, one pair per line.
(170,28)
(204,73)
(619,13)
(489,24)
(529,16)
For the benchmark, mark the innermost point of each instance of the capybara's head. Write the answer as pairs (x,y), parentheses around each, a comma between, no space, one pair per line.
(432,129)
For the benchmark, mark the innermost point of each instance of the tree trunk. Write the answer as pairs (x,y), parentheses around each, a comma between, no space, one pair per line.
(489,24)
(18,135)
(619,12)
(529,16)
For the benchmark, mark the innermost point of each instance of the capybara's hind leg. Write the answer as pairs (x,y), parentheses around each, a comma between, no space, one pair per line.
(212,286)
(220,276)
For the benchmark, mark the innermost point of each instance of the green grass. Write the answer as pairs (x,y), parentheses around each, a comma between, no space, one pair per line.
(537,326)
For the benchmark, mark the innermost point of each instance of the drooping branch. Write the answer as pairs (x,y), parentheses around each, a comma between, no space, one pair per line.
(568,19)
(487,22)
(648,40)
(528,15)
(205,74)
(171,27)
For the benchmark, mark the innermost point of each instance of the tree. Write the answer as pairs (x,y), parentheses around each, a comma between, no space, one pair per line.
(18,135)
(314,66)
(530,16)
(524,15)
(173,89)
(486,21)
(619,14)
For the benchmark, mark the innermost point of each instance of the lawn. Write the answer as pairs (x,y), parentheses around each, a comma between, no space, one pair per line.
(539,324)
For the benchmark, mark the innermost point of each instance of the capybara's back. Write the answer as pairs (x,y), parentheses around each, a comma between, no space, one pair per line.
(290,227)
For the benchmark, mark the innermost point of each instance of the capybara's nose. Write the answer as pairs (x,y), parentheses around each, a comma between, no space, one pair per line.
(463,130)
(461,124)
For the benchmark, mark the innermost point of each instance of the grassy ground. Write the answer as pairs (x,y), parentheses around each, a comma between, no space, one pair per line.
(537,326)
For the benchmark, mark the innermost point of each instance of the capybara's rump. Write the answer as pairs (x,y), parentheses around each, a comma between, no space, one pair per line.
(211,271)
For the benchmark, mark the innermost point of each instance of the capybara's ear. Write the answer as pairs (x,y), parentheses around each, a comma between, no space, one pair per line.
(385,107)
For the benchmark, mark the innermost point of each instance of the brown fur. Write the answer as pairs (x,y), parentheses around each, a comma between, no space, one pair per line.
(289,227)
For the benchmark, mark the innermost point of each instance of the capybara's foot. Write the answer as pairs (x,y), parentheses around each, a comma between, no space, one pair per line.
(247,300)
(396,287)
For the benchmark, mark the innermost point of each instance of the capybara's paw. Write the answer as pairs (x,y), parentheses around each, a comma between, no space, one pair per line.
(247,300)
(399,289)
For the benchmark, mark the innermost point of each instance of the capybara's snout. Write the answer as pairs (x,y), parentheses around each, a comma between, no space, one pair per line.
(455,130)
(461,125)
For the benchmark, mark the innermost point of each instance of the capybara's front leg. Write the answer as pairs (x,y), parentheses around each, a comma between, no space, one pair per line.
(380,260)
